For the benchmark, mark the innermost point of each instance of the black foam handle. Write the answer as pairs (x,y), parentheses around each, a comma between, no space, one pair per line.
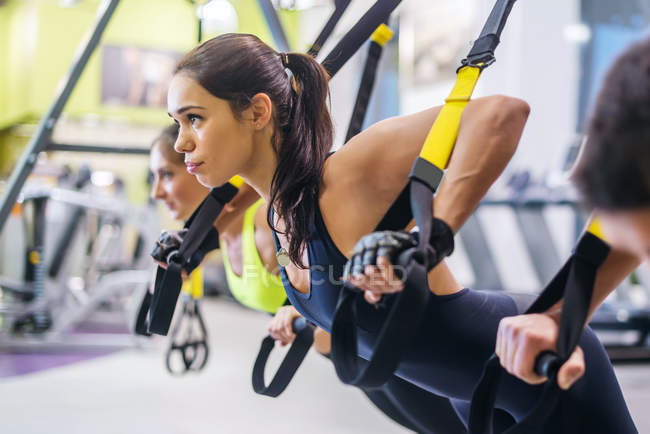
(298,324)
(547,364)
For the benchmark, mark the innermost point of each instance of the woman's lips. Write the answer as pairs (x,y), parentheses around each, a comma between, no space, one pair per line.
(191,167)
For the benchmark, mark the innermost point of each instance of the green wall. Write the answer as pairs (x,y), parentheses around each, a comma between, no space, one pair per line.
(38,40)
(41,38)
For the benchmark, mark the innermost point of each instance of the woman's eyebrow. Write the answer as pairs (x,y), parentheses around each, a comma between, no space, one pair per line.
(186,108)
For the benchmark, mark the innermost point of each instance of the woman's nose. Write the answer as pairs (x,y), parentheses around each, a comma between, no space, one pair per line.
(157,192)
(184,142)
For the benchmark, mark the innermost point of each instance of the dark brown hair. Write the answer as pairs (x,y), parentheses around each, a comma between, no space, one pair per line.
(236,67)
(614,170)
(166,140)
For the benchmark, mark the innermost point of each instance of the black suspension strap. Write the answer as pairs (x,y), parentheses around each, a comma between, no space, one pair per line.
(304,339)
(189,354)
(339,7)
(142,317)
(407,308)
(358,35)
(575,283)
(378,40)
(169,281)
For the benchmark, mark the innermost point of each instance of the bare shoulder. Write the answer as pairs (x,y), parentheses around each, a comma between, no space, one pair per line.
(362,179)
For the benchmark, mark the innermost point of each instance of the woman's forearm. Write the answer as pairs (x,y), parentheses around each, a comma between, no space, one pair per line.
(488,137)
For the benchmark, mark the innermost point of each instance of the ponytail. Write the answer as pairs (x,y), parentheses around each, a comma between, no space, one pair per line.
(302,150)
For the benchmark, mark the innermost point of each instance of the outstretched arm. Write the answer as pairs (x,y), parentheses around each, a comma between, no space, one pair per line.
(521,338)
(489,132)
(365,177)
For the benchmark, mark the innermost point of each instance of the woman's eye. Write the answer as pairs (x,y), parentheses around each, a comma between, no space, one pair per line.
(193,118)
(166,175)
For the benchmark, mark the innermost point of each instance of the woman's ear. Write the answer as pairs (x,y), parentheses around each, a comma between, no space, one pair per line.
(261,109)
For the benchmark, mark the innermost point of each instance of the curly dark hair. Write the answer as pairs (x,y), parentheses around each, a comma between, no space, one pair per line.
(614,171)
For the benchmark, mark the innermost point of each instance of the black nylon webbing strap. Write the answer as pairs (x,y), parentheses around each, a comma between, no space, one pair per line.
(299,349)
(169,281)
(574,282)
(204,218)
(403,318)
(482,52)
(193,351)
(358,35)
(399,214)
(365,89)
(339,7)
(141,319)
(393,338)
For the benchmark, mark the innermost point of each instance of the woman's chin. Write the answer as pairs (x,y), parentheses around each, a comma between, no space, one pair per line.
(205,181)
(210,182)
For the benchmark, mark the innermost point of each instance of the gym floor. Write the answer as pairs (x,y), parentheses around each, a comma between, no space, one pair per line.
(129,391)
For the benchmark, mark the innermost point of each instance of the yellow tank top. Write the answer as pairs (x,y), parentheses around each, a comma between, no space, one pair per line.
(193,286)
(256,287)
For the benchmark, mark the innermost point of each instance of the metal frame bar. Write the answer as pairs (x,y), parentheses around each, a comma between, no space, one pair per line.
(98,149)
(42,139)
(484,267)
(273,21)
(539,242)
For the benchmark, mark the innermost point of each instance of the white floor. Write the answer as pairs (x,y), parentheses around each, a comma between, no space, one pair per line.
(131,392)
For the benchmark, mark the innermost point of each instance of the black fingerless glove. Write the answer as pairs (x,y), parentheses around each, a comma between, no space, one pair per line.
(392,243)
(383,243)
(170,241)
(441,242)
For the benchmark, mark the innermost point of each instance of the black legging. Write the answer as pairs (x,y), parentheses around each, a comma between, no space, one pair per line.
(426,412)
(414,408)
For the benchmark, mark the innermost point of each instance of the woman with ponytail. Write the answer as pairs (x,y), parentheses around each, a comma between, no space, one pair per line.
(253,277)
(244,109)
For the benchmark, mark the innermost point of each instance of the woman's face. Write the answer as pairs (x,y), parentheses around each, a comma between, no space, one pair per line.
(172,184)
(628,230)
(216,144)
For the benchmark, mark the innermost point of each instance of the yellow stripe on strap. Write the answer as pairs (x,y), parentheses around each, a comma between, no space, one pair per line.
(596,229)
(382,35)
(441,139)
(193,286)
(237,181)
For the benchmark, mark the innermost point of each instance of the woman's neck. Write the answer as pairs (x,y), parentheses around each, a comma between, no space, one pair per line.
(260,169)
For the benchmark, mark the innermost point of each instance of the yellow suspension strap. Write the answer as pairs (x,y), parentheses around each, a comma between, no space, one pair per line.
(574,284)
(408,306)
